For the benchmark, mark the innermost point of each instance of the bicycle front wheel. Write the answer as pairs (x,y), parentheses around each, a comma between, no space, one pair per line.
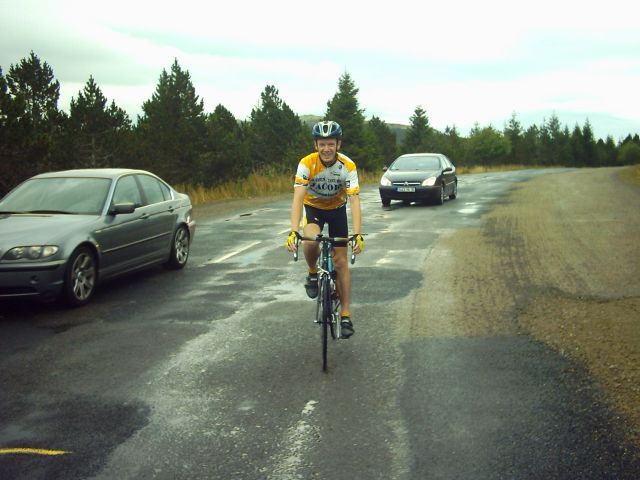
(325,298)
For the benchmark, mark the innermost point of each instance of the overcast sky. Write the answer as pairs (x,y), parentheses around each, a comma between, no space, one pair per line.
(464,62)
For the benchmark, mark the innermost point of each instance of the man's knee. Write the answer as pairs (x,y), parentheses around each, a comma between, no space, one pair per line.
(340,258)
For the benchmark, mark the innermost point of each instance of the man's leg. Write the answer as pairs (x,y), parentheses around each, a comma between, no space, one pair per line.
(311,253)
(343,282)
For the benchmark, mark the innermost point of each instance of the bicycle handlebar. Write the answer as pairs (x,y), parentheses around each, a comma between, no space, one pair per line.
(321,238)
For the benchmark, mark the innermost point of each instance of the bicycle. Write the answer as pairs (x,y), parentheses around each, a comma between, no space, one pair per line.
(328,303)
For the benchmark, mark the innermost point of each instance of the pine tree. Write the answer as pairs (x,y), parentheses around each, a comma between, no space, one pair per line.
(30,120)
(172,128)
(577,147)
(275,133)
(385,139)
(97,131)
(513,132)
(344,108)
(589,145)
(418,133)
(226,155)
(453,146)
(487,146)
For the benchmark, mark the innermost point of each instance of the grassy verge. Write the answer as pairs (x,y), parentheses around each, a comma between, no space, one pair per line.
(263,185)
(631,175)
(255,185)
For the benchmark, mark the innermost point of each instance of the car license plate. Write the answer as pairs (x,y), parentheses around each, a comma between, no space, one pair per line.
(406,189)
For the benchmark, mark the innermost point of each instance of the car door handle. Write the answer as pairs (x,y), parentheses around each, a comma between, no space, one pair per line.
(144,216)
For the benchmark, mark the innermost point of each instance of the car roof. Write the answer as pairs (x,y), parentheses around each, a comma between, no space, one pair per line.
(422,154)
(92,172)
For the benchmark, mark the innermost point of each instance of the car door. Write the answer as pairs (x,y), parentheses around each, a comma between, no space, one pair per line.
(161,216)
(448,177)
(122,238)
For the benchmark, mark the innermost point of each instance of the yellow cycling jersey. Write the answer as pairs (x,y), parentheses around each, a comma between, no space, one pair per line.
(327,188)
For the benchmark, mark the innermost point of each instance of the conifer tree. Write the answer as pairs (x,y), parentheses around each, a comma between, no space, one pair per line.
(357,143)
(172,128)
(513,132)
(31,120)
(589,146)
(418,133)
(275,133)
(96,130)
(385,139)
(226,155)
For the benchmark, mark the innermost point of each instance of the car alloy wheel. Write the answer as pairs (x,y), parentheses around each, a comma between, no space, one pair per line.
(80,277)
(179,249)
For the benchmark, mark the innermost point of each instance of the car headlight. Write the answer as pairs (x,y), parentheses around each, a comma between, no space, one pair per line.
(31,252)
(429,182)
(385,182)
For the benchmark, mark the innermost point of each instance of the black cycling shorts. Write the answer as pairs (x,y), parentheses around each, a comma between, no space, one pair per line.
(336,219)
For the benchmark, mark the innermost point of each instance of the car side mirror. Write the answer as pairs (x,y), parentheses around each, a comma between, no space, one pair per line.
(122,208)
(385,168)
(448,169)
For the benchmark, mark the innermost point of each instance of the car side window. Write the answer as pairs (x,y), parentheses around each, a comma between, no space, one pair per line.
(154,190)
(127,191)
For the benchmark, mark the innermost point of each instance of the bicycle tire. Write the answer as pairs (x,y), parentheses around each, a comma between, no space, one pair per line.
(326,318)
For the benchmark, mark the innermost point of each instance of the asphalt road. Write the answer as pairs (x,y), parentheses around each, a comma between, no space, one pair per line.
(214,372)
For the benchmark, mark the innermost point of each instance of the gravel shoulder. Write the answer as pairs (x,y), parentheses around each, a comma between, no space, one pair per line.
(558,262)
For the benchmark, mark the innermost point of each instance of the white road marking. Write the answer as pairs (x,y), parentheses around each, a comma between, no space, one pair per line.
(232,254)
(297,442)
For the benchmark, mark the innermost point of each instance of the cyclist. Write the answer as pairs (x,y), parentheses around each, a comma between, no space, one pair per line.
(324,180)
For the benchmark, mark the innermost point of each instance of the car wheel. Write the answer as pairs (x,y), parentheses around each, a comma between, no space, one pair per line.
(80,277)
(179,249)
(386,202)
(454,194)
(440,199)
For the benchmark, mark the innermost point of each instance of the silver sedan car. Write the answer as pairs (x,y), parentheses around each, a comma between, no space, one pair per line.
(62,233)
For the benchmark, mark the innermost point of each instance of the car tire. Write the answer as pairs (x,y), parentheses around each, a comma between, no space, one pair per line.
(386,202)
(179,249)
(440,199)
(454,194)
(80,277)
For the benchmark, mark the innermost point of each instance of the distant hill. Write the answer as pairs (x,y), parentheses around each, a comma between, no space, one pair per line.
(310,119)
(397,128)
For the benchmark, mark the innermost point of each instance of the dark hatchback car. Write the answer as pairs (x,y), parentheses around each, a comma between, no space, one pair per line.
(419,177)
(63,232)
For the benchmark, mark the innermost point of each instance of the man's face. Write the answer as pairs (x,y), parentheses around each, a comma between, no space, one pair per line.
(327,147)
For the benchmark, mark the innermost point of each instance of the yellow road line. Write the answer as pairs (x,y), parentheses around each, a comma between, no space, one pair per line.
(32,451)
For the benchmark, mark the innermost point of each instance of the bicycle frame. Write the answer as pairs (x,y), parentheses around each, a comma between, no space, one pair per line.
(328,300)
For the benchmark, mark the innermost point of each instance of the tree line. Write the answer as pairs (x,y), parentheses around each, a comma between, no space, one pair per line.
(175,138)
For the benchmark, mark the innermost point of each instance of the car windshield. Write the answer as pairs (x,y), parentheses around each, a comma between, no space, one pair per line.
(427,162)
(85,196)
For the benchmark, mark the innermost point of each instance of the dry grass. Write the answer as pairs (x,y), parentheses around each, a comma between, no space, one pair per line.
(265,185)
(495,168)
(631,175)
(255,185)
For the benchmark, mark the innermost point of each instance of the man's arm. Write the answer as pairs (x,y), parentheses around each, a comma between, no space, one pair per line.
(296,207)
(356,217)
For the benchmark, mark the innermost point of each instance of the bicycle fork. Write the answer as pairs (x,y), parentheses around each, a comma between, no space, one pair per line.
(334,299)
